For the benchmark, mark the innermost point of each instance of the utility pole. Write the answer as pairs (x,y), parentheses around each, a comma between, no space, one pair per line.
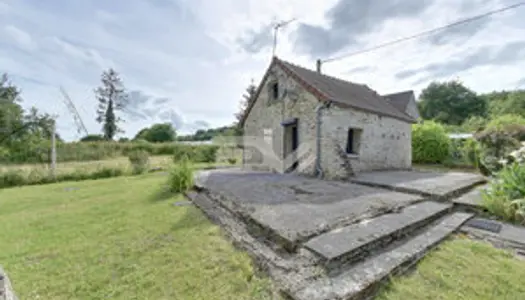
(318,66)
(53,150)
(276,31)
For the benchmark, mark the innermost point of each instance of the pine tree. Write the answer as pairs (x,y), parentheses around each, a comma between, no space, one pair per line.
(111,97)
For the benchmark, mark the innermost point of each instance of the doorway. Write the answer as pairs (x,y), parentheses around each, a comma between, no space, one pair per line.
(291,143)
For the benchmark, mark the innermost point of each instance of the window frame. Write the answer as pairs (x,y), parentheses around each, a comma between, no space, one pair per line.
(353,141)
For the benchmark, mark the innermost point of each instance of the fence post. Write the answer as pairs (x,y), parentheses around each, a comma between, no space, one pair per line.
(53,153)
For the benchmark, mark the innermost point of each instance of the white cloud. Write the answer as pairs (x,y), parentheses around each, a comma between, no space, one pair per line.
(186,52)
(20,37)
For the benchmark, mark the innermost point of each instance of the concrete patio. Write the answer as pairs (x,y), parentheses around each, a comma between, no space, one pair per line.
(324,240)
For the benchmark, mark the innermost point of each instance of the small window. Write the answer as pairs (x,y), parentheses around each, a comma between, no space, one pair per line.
(353,141)
(275,90)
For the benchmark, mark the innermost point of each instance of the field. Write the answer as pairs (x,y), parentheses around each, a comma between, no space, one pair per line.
(124,238)
(119,238)
(160,161)
(69,167)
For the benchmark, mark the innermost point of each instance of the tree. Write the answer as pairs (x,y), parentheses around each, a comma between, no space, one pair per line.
(92,138)
(507,102)
(158,133)
(11,112)
(450,103)
(111,98)
(246,101)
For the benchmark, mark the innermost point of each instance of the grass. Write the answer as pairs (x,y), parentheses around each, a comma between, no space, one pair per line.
(70,167)
(119,162)
(122,238)
(461,269)
(443,168)
(119,238)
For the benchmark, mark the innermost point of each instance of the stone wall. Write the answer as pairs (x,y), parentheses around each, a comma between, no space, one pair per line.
(268,114)
(385,143)
(6,289)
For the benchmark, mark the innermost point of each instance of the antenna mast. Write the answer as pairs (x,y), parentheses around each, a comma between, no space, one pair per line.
(81,128)
(276,30)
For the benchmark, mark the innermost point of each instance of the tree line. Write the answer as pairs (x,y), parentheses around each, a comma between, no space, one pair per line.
(462,109)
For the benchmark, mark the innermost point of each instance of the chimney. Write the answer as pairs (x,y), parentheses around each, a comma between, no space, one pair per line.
(318,66)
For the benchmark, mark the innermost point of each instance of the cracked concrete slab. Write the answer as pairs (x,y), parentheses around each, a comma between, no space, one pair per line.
(473,198)
(428,183)
(297,208)
(347,240)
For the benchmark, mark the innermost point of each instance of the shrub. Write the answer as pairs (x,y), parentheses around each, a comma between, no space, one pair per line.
(12,178)
(505,120)
(205,154)
(139,160)
(180,178)
(473,124)
(501,137)
(38,176)
(470,152)
(506,195)
(183,152)
(232,160)
(106,172)
(197,154)
(430,143)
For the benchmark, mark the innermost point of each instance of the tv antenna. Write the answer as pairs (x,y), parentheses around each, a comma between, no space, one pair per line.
(81,128)
(276,28)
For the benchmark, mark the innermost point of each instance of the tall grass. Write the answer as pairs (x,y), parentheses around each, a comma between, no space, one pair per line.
(88,151)
(180,178)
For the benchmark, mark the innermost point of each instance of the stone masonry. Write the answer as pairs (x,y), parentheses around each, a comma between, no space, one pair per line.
(384,143)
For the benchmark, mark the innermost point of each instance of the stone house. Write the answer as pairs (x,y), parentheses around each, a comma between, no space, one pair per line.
(405,102)
(309,123)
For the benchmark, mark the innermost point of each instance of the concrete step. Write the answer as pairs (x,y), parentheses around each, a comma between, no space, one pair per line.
(362,280)
(355,242)
(439,186)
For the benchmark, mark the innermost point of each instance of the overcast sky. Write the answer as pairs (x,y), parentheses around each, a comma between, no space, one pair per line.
(188,61)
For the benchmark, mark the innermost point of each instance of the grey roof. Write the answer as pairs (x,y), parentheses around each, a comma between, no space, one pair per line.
(347,93)
(400,100)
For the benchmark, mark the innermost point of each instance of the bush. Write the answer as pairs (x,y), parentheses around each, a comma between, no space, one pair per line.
(470,151)
(505,120)
(12,178)
(430,143)
(180,178)
(232,160)
(506,195)
(139,160)
(106,172)
(205,154)
(498,140)
(196,154)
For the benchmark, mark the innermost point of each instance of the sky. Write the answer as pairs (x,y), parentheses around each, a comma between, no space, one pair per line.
(188,62)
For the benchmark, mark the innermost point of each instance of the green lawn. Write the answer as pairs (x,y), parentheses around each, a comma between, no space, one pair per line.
(118,238)
(462,270)
(123,238)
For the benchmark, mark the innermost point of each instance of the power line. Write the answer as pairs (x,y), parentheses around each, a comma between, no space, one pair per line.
(431,31)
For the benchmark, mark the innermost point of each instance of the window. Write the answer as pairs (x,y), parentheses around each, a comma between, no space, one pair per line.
(353,140)
(275,90)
